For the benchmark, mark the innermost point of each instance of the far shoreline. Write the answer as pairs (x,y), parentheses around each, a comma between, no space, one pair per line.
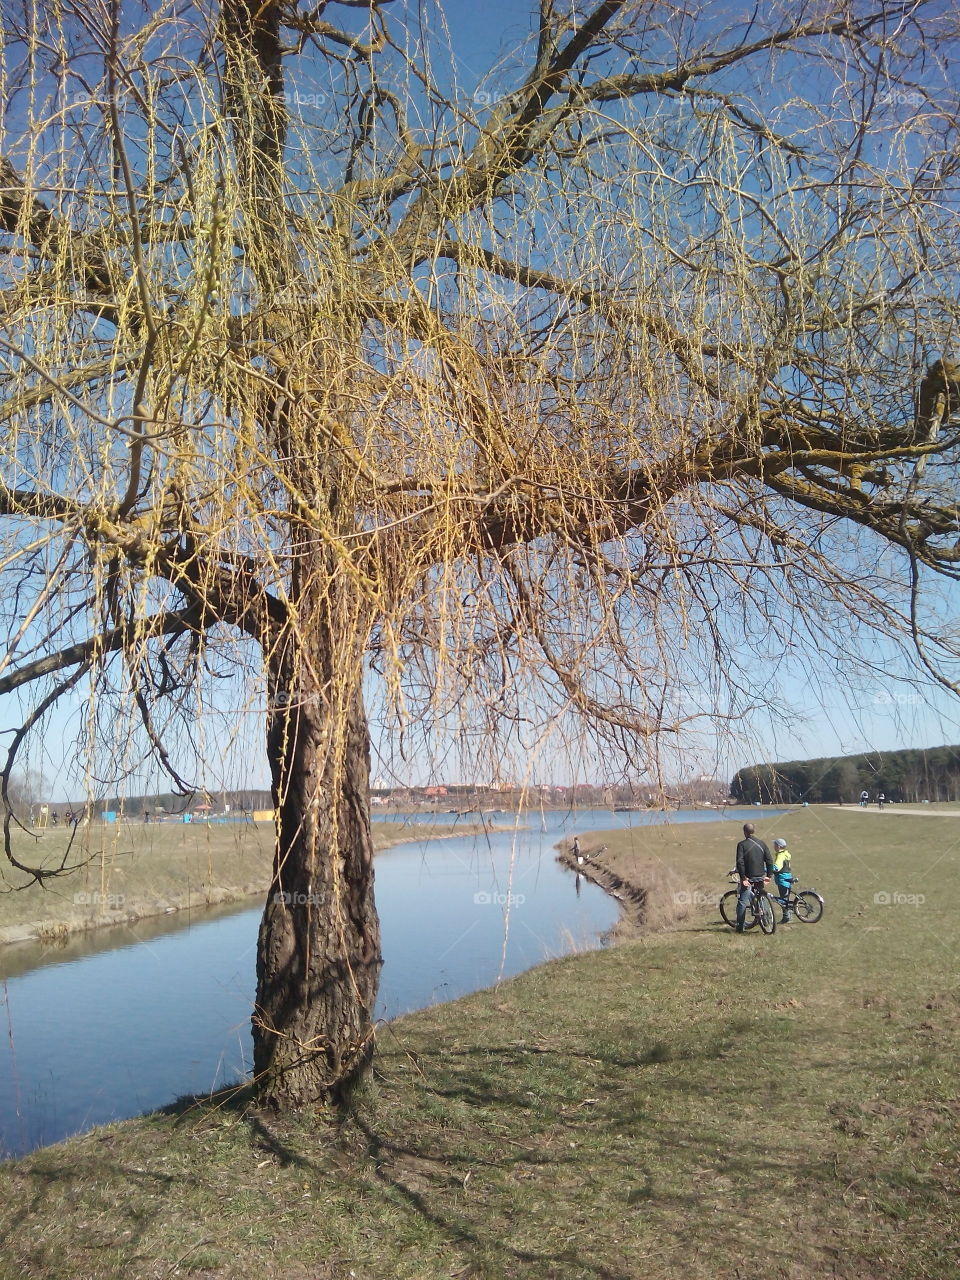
(54,930)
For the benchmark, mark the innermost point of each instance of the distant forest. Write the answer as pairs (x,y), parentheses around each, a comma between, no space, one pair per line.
(908,775)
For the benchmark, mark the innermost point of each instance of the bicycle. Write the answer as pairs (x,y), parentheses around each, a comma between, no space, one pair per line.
(728,904)
(759,910)
(806,904)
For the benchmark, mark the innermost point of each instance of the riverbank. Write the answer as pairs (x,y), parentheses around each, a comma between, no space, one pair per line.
(664,876)
(668,1107)
(136,871)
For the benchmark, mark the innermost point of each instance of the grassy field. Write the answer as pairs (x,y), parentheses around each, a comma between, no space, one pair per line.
(134,870)
(687,1104)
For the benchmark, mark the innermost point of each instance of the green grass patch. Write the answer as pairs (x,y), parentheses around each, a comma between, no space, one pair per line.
(687,1104)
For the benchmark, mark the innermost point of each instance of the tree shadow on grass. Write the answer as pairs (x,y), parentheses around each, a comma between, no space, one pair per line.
(687,1145)
(111,1222)
(232,1098)
(396,1167)
(400,1159)
(549,1187)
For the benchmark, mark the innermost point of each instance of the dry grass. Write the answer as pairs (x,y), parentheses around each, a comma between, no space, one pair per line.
(690,1104)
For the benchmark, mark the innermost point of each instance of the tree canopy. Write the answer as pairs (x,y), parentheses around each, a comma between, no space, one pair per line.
(622,375)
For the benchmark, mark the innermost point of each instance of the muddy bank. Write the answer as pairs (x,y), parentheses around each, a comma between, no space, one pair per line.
(632,899)
(653,899)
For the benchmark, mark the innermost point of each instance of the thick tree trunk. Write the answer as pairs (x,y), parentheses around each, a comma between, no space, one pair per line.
(318,960)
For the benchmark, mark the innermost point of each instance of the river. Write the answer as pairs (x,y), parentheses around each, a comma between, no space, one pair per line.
(126,1020)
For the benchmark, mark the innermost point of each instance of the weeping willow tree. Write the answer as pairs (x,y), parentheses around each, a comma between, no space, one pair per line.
(542,395)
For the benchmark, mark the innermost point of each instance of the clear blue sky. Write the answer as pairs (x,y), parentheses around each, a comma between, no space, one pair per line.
(883,712)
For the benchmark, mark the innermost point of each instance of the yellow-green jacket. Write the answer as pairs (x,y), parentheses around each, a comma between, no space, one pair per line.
(781,860)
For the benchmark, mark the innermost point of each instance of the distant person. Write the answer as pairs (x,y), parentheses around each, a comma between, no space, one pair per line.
(783,876)
(146,815)
(753,863)
(864,799)
(576,850)
(881,800)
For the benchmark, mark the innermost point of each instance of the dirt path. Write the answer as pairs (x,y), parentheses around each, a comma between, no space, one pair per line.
(896,808)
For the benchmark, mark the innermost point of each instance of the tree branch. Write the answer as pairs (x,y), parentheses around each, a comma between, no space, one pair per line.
(22,213)
(172,623)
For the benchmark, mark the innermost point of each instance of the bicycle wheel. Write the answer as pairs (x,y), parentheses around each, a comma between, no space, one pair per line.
(808,907)
(728,909)
(765,914)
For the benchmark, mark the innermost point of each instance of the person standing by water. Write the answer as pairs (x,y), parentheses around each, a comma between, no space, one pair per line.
(753,863)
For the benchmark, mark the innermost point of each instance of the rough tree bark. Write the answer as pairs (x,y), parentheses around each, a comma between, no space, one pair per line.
(318,956)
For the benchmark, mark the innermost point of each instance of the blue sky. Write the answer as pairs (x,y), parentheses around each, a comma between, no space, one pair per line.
(827,718)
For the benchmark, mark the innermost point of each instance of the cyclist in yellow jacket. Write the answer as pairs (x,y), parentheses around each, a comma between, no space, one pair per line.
(783,875)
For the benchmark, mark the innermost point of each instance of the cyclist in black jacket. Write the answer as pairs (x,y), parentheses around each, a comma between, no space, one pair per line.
(753,863)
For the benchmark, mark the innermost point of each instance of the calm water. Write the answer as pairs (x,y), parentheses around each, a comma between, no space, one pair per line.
(129,1019)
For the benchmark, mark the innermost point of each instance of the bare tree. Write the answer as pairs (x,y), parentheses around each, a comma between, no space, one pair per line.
(25,788)
(539,398)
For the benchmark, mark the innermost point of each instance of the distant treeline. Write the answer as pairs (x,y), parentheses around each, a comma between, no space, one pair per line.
(908,775)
